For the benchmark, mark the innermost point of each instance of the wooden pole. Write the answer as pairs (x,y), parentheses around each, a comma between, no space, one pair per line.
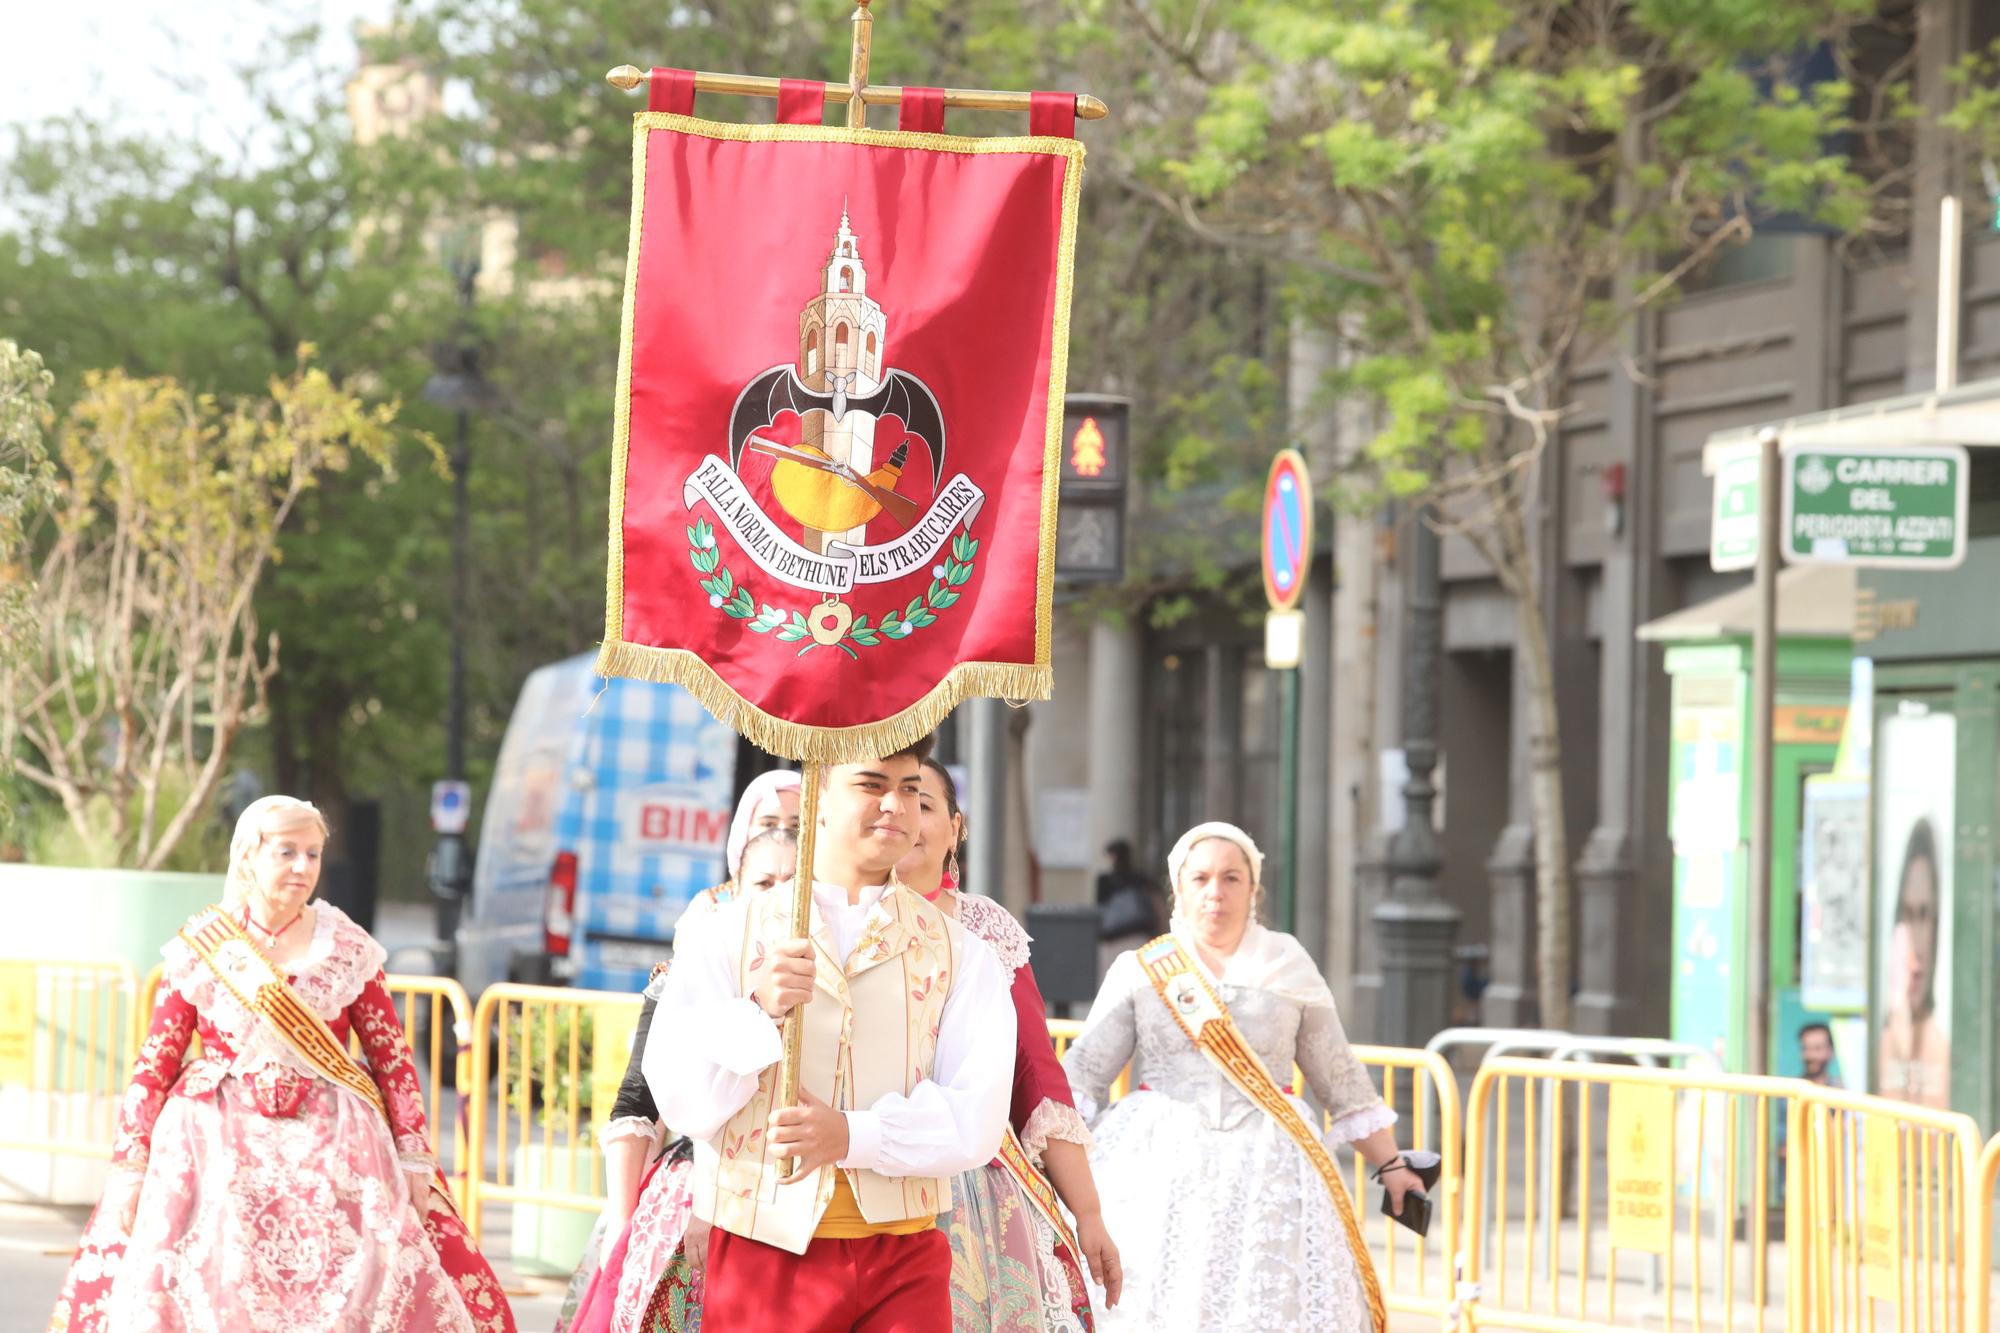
(810,779)
(629,77)
(857,66)
(814,774)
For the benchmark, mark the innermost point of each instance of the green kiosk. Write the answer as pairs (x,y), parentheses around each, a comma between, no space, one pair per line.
(1708,659)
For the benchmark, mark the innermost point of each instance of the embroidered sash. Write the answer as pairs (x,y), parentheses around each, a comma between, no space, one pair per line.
(1202,1015)
(1035,1186)
(221,942)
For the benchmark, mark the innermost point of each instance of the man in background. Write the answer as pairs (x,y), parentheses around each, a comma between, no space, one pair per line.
(1816,1054)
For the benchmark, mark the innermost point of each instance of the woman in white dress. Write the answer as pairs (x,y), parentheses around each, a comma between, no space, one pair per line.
(1224,1219)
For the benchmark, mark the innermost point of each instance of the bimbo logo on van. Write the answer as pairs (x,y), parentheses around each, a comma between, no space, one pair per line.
(666,821)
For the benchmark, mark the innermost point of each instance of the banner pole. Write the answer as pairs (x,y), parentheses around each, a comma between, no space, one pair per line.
(857,66)
(812,774)
(810,778)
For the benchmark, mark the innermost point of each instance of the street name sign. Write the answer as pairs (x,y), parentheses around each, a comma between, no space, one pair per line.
(1886,506)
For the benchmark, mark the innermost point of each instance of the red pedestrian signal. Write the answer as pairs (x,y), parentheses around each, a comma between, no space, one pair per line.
(1086,449)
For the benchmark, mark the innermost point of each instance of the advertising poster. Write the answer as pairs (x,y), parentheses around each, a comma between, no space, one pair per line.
(1916,749)
(1833,881)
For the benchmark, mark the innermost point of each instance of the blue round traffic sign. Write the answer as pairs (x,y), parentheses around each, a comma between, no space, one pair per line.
(1287,530)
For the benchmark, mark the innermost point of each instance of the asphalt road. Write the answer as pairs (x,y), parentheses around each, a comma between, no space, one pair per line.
(36,1242)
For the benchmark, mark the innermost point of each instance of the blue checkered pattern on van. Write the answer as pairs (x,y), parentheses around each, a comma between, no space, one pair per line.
(640,742)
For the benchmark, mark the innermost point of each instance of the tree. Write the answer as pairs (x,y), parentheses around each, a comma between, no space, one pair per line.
(26,484)
(167,511)
(1482,195)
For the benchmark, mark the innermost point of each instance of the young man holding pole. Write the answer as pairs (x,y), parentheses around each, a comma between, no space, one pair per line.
(825,1214)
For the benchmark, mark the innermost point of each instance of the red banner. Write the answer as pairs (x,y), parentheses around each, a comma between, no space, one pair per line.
(833,498)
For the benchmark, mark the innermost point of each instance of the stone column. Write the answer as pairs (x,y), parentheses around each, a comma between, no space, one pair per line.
(986,803)
(1117,689)
(1624,879)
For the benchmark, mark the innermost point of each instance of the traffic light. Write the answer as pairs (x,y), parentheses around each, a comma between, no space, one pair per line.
(1096,459)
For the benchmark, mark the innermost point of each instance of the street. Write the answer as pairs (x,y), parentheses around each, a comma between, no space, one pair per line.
(35,1246)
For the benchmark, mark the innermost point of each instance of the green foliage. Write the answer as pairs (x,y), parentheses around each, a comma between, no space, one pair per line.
(50,837)
(164,513)
(538,1056)
(1975,110)
(27,484)
(1469,182)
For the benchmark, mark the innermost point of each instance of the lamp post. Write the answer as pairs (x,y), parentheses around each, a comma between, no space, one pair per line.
(460,388)
(1414,925)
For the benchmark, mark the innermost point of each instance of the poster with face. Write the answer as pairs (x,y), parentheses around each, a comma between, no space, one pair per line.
(1915,799)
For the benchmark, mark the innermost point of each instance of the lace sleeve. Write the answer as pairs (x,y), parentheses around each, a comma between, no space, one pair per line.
(153,1075)
(373,1014)
(1338,1080)
(1110,1035)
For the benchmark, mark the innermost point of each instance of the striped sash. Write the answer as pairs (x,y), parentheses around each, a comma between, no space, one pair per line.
(220,941)
(1035,1186)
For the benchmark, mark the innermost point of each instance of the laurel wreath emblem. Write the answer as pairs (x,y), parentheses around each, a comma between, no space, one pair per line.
(735,600)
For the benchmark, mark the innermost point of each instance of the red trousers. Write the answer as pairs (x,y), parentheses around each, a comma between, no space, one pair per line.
(878,1284)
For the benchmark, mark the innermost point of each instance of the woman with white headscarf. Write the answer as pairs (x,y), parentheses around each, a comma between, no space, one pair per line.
(647,1239)
(1227,1206)
(770,802)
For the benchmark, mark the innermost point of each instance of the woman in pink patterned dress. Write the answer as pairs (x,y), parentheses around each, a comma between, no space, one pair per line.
(1016,1261)
(259,1187)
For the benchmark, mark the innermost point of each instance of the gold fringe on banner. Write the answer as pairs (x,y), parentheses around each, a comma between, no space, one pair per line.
(1012,681)
(1018,682)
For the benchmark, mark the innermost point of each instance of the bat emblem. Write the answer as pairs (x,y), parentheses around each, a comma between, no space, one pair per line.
(779,390)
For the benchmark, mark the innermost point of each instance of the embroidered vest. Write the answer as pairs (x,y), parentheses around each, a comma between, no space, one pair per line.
(871,1028)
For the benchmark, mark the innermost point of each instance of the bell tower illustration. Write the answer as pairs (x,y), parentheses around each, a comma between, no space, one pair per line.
(842,347)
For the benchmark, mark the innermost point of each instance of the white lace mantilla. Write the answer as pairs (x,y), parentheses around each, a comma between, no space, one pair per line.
(996,925)
(1052,1120)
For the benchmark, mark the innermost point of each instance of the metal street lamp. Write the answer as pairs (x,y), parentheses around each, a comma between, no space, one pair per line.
(460,388)
(1415,926)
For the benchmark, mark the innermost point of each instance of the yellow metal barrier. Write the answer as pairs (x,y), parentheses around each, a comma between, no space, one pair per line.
(436,1016)
(1981,1256)
(435,1012)
(1613,1178)
(1624,1197)
(1885,1194)
(1416,1274)
(65,1043)
(529,1046)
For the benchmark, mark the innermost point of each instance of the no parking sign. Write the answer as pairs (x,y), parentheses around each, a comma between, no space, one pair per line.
(1288,507)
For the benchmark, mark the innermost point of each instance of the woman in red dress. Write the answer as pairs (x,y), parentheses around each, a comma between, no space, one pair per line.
(269,1184)
(1017,1254)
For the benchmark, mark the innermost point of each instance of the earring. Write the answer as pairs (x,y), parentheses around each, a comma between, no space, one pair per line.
(950,878)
